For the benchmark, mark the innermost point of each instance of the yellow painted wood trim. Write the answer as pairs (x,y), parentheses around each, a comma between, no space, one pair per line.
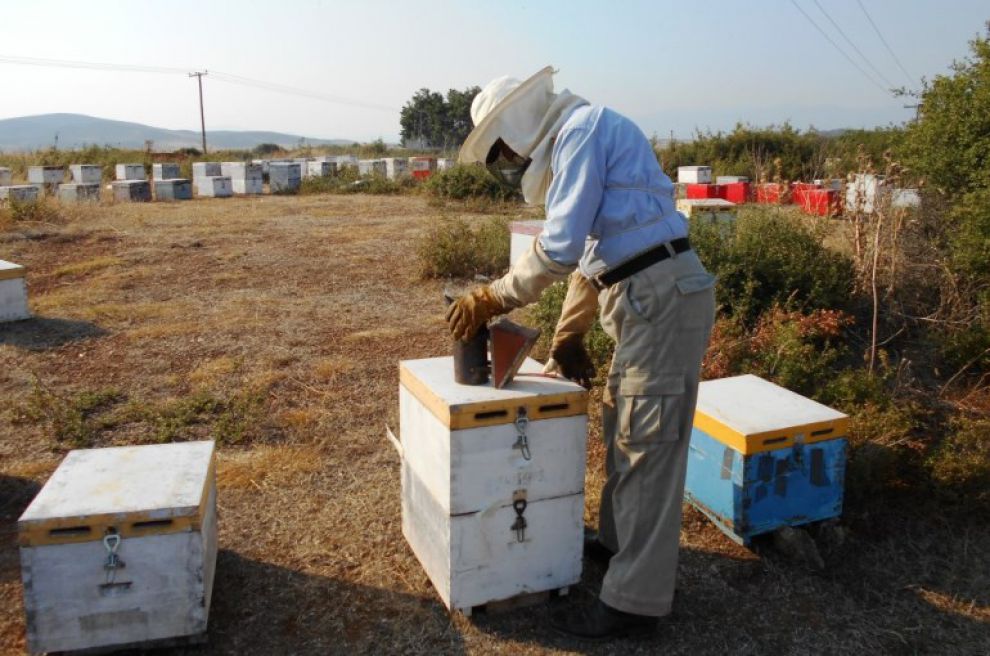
(495,413)
(70,530)
(13,274)
(771,440)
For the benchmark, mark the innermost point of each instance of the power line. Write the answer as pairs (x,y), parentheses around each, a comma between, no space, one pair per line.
(98,66)
(866,59)
(841,51)
(229,78)
(876,29)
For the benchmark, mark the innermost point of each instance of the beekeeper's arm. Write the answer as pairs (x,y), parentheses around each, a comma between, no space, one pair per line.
(578,166)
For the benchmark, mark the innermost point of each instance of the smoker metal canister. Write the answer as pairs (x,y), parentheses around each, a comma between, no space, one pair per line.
(471,366)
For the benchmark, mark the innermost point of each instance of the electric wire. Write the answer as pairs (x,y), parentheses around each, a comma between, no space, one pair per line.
(876,29)
(837,47)
(842,32)
(229,78)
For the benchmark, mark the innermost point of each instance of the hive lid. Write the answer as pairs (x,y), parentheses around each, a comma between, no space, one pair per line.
(10,271)
(753,415)
(458,406)
(136,490)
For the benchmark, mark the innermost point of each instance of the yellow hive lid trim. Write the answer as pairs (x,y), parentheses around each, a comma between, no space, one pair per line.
(10,271)
(754,415)
(99,491)
(457,406)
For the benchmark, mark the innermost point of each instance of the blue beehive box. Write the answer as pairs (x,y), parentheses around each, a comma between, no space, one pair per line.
(763,457)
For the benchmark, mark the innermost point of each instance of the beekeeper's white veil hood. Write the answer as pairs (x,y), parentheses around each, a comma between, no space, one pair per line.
(527,116)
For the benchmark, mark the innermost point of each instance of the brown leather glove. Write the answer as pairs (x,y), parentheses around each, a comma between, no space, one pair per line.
(573,360)
(473,310)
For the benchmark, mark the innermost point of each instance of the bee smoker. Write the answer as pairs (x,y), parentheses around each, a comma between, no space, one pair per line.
(510,343)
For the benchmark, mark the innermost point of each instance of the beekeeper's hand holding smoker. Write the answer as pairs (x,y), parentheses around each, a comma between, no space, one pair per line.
(612,226)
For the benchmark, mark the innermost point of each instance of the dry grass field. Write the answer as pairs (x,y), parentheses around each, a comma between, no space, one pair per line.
(275,325)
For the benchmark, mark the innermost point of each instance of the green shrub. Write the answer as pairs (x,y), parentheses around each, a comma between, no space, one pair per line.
(960,465)
(544,315)
(454,248)
(42,210)
(466,183)
(348,181)
(767,258)
(75,421)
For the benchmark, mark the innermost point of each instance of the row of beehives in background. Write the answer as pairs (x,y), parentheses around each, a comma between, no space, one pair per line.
(210,179)
(863,193)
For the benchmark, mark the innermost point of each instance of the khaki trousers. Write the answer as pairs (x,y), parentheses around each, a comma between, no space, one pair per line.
(661,319)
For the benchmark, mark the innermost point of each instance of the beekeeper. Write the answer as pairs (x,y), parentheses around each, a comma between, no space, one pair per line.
(610,219)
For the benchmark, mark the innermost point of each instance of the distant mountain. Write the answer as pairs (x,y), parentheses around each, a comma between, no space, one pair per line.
(78,130)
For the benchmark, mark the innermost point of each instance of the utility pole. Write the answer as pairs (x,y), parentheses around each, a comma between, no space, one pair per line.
(917,110)
(202,121)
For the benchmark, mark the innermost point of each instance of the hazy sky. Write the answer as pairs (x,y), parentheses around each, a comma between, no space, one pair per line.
(668,65)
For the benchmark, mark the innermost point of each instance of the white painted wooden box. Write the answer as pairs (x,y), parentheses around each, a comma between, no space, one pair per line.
(22,193)
(396,167)
(245,177)
(46,175)
(165,171)
(6,176)
(86,173)
(131,191)
(119,548)
(712,210)
(214,186)
(694,174)
(13,292)
(129,172)
(284,177)
(74,192)
(491,515)
(206,169)
(371,167)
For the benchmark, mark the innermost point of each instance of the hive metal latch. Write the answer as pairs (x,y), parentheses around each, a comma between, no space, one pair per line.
(522,442)
(112,542)
(519,526)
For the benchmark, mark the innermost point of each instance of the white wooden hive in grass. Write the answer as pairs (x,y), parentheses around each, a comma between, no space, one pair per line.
(214,186)
(119,548)
(129,171)
(13,292)
(492,481)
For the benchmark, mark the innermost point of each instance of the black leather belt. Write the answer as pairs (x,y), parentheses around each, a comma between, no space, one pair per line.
(640,262)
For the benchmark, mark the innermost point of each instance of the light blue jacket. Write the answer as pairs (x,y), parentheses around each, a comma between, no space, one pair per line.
(608,200)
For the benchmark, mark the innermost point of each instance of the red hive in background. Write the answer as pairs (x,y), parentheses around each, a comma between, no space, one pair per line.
(702,191)
(737,192)
(769,193)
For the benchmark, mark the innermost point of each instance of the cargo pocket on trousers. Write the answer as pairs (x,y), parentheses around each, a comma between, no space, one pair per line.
(647,407)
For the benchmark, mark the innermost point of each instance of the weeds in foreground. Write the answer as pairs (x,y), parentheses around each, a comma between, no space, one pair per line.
(88,418)
(456,248)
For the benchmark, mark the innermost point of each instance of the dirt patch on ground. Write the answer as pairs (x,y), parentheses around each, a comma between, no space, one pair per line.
(276,325)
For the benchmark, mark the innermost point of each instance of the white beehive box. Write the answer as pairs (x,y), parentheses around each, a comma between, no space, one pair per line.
(165,171)
(707,209)
(206,169)
(319,168)
(730,179)
(13,292)
(444,163)
(346,160)
(22,193)
(129,172)
(79,192)
(131,191)
(214,186)
(284,177)
(6,176)
(86,173)
(46,175)
(522,234)
(464,467)
(371,167)
(245,177)
(160,501)
(694,174)
(396,167)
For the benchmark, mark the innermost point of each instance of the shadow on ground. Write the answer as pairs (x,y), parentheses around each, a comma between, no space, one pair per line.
(293,612)
(41,334)
(15,495)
